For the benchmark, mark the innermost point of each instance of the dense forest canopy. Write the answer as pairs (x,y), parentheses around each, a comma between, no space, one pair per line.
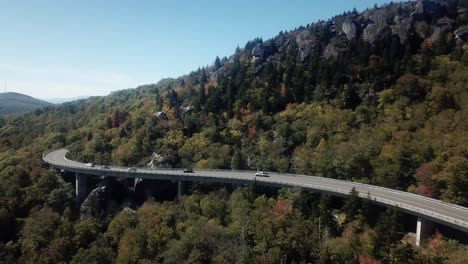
(378,97)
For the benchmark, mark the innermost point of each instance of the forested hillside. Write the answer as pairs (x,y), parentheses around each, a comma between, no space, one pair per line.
(379,97)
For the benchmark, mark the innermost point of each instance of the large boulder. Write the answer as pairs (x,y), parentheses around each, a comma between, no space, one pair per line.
(159,161)
(95,204)
(155,160)
(105,199)
(161,115)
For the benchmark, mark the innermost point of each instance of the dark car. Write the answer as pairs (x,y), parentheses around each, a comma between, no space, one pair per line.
(104,167)
(188,170)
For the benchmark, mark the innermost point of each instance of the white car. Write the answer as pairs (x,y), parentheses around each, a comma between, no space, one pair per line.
(90,164)
(261,174)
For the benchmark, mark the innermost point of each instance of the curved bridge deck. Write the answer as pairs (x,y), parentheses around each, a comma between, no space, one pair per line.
(431,209)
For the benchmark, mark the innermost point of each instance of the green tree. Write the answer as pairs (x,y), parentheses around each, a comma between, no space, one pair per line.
(86,232)
(387,233)
(237,162)
(352,206)
(39,229)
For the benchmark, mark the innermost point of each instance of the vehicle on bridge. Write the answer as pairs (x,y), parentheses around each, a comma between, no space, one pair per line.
(188,170)
(261,174)
(132,169)
(90,164)
(104,167)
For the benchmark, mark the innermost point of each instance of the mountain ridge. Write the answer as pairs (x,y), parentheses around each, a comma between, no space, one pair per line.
(17,103)
(344,40)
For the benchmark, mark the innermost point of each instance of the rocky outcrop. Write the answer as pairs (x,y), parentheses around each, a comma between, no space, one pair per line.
(379,23)
(349,29)
(158,161)
(127,210)
(161,115)
(94,205)
(186,109)
(305,42)
(438,32)
(262,51)
(461,34)
(401,27)
(331,51)
(445,21)
(334,48)
(155,160)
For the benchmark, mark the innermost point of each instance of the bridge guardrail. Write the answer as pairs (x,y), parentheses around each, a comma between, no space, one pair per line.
(383,188)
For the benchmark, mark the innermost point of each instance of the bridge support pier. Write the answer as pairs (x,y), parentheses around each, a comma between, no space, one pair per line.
(180,188)
(136,182)
(423,230)
(81,189)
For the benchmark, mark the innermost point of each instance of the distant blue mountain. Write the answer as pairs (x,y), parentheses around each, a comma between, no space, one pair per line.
(58,100)
(16,103)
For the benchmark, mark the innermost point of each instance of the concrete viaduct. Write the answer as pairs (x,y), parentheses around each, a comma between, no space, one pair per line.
(427,210)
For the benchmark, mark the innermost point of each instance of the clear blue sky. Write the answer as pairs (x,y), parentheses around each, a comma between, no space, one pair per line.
(68,48)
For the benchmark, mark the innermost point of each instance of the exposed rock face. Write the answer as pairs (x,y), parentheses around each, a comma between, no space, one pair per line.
(445,21)
(258,51)
(305,42)
(94,205)
(186,109)
(158,161)
(128,210)
(461,34)
(379,19)
(401,28)
(155,159)
(262,51)
(438,31)
(331,51)
(443,25)
(349,29)
(161,115)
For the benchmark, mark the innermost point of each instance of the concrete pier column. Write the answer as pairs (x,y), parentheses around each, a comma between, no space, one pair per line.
(136,182)
(423,230)
(81,190)
(180,188)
